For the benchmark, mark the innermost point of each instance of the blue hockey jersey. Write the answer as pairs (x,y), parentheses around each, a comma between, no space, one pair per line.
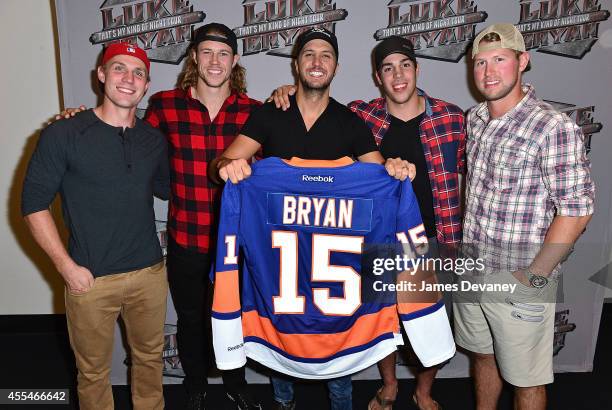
(300,226)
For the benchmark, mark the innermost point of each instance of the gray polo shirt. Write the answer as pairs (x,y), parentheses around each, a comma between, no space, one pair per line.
(106,177)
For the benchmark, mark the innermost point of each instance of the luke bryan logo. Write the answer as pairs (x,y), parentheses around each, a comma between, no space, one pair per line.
(564,27)
(273,25)
(439,29)
(583,117)
(161,27)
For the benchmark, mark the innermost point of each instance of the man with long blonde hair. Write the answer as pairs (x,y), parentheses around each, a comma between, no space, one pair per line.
(201,117)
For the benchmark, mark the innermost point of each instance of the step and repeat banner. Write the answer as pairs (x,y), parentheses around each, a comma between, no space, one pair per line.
(570,42)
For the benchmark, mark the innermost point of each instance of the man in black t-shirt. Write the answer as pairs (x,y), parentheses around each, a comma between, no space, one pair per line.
(316,127)
(429,133)
(335,133)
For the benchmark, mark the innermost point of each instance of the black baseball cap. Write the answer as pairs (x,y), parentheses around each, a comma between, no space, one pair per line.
(315,33)
(215,32)
(392,45)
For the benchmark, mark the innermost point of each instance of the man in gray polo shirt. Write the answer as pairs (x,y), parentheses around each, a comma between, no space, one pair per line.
(107,165)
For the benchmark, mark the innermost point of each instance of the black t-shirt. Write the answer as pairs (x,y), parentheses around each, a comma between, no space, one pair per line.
(403,140)
(337,133)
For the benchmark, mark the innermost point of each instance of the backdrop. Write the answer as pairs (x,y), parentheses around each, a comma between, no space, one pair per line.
(571,49)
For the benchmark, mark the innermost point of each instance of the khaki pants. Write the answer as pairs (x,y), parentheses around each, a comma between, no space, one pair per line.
(140,297)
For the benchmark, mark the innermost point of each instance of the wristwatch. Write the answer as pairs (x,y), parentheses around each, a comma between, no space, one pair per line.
(536,281)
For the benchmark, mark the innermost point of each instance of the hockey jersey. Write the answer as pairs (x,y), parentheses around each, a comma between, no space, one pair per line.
(300,226)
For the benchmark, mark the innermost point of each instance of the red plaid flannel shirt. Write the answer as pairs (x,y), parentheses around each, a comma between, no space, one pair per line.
(443,139)
(194,141)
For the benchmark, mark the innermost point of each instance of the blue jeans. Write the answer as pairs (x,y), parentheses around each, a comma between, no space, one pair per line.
(340,391)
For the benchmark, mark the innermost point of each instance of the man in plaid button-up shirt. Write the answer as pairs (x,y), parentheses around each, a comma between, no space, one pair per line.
(442,133)
(196,137)
(528,186)
(201,118)
(526,168)
(438,127)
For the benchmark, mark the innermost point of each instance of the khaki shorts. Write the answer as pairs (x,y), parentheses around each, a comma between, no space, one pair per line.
(518,327)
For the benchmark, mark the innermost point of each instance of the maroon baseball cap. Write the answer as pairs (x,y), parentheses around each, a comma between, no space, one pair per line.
(126,49)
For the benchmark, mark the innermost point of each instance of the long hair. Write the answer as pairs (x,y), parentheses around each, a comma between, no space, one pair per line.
(189,75)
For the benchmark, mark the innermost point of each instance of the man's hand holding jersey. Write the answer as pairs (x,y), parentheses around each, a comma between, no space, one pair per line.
(400,169)
(233,169)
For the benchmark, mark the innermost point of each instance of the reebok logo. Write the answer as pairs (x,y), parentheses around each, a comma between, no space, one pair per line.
(318,178)
(229,349)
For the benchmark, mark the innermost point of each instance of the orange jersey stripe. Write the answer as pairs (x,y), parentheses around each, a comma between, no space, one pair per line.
(411,307)
(316,163)
(227,297)
(318,346)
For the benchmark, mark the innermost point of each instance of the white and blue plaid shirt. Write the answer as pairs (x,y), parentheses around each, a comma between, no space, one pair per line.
(523,169)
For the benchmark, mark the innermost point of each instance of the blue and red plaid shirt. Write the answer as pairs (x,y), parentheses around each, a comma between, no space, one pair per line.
(443,138)
(194,141)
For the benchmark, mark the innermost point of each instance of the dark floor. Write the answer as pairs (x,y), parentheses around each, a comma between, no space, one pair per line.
(44,360)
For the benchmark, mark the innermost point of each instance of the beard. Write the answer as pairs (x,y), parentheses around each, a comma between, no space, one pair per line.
(495,95)
(312,87)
